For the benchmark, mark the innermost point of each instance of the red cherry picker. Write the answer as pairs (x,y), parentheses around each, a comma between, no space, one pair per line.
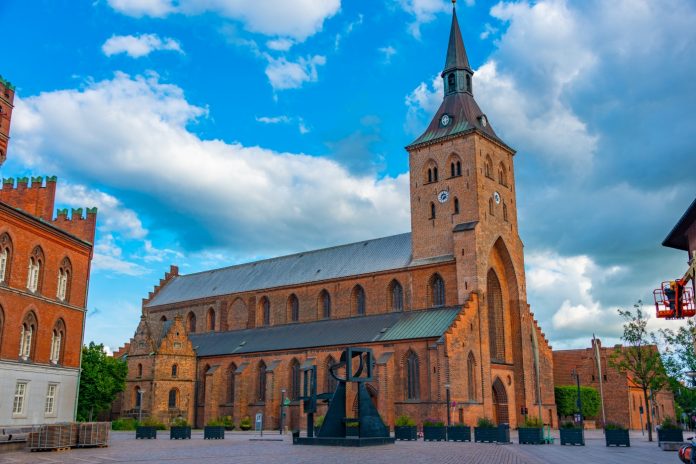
(675,298)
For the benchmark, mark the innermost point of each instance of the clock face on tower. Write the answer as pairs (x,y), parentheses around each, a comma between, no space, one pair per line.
(445,119)
(443,196)
(496,197)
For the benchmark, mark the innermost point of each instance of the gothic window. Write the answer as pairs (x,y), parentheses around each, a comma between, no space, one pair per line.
(505,214)
(432,210)
(435,174)
(430,175)
(491,211)
(266,310)
(231,372)
(456,205)
(140,370)
(172,398)
(450,82)
(488,167)
(175,370)
(211,319)
(325,304)
(27,341)
(471,376)
(412,376)
(294,307)
(294,379)
(358,302)
(396,296)
(468,83)
(191,322)
(35,275)
(5,258)
(459,168)
(502,174)
(330,383)
(455,165)
(2,323)
(496,321)
(64,280)
(261,383)
(57,339)
(437,291)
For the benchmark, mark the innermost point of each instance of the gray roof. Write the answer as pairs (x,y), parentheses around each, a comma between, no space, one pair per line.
(380,254)
(430,323)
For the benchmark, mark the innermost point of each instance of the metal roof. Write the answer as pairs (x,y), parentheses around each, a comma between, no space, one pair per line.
(677,237)
(456,53)
(430,323)
(381,254)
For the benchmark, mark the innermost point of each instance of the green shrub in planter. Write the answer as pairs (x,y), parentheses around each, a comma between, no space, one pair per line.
(434,430)
(145,431)
(669,431)
(180,430)
(485,431)
(572,434)
(318,422)
(531,432)
(352,429)
(245,423)
(616,435)
(405,428)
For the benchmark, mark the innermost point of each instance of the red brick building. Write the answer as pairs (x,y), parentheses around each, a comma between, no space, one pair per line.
(443,306)
(44,273)
(623,400)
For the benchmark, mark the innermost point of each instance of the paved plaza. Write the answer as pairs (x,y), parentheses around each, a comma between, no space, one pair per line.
(238,448)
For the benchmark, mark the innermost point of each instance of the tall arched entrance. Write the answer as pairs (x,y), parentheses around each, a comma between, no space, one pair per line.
(500,403)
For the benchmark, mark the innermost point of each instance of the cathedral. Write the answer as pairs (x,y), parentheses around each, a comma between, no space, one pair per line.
(443,307)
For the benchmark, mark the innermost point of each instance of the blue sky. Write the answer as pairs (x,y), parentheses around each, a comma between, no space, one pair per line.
(212,132)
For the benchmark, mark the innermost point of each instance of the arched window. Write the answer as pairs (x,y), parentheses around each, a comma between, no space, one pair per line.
(505,216)
(432,210)
(396,296)
(452,170)
(163,319)
(261,383)
(138,397)
(459,168)
(496,321)
(35,275)
(455,165)
(172,398)
(175,370)
(412,376)
(5,258)
(330,382)
(491,211)
(211,319)
(294,379)
(325,303)
(191,322)
(488,167)
(435,174)
(456,205)
(266,311)
(231,373)
(64,280)
(471,376)
(430,175)
(358,300)
(27,341)
(450,82)
(468,82)
(57,338)
(437,290)
(502,174)
(2,323)
(294,308)
(140,370)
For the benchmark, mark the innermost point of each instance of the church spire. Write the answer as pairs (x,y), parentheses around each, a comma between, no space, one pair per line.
(457,73)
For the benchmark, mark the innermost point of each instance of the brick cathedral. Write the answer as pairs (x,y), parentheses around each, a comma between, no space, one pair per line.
(443,307)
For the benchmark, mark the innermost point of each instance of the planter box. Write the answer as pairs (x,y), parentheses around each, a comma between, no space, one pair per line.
(145,431)
(573,437)
(180,433)
(433,433)
(531,436)
(458,433)
(485,434)
(352,431)
(406,432)
(617,438)
(670,435)
(214,432)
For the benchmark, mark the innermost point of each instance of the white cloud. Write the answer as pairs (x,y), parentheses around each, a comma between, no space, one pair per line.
(347,31)
(297,19)
(284,74)
(108,256)
(217,189)
(281,45)
(273,119)
(388,52)
(424,11)
(488,30)
(422,103)
(139,46)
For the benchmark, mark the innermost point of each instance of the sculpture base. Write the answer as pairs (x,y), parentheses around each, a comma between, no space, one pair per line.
(338,441)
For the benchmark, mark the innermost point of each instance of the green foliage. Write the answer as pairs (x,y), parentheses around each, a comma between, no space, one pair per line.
(484,423)
(532,422)
(353,424)
(679,357)
(567,397)
(124,424)
(179,422)
(217,422)
(569,425)
(613,426)
(245,423)
(404,420)
(227,422)
(150,422)
(102,378)
(433,423)
(458,424)
(318,421)
(669,424)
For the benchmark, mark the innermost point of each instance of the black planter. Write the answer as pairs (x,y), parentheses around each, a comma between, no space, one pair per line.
(458,433)
(617,437)
(352,431)
(145,431)
(670,435)
(485,434)
(573,437)
(213,432)
(434,433)
(180,433)
(531,435)
(406,432)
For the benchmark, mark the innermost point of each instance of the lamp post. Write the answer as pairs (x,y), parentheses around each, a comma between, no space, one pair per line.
(282,406)
(140,406)
(576,376)
(447,397)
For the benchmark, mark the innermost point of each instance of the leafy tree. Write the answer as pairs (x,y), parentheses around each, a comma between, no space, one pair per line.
(567,397)
(639,357)
(101,379)
(679,358)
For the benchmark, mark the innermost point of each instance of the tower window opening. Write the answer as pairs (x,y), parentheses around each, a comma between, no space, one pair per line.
(432,210)
(451,82)
(456,205)
(430,175)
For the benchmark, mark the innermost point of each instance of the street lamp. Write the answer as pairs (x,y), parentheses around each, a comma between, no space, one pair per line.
(447,397)
(282,405)
(140,406)
(576,376)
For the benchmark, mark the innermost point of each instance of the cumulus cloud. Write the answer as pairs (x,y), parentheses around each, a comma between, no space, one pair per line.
(108,257)
(297,19)
(208,192)
(284,74)
(347,30)
(423,11)
(281,44)
(283,119)
(422,103)
(387,52)
(140,45)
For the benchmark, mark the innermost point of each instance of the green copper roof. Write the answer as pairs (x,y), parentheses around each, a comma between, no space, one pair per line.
(6,83)
(421,324)
(456,53)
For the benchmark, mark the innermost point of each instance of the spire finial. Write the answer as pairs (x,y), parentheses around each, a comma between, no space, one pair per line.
(454,2)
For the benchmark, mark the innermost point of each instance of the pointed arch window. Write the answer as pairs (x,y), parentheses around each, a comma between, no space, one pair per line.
(294,306)
(434,173)
(505,213)
(502,174)
(5,258)
(437,291)
(140,370)
(325,302)
(35,274)
(27,340)
(359,300)
(396,296)
(451,81)
(456,205)
(231,373)
(496,320)
(64,280)
(430,175)
(191,322)
(172,398)
(2,323)
(175,370)
(211,319)
(491,209)
(488,167)
(459,168)
(57,338)
(412,376)
(330,383)
(432,210)
(261,383)
(266,310)
(471,376)
(294,379)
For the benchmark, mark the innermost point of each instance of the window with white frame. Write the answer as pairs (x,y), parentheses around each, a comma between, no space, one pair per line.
(19,397)
(62,284)
(5,257)
(64,274)
(33,277)
(3,264)
(50,408)
(25,340)
(56,342)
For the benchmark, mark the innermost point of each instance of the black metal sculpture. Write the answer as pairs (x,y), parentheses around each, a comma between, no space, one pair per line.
(358,364)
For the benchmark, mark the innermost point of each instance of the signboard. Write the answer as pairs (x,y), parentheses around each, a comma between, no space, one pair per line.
(258,424)
(286,402)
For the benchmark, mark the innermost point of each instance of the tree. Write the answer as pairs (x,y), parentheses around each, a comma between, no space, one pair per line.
(639,357)
(679,359)
(567,398)
(102,378)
